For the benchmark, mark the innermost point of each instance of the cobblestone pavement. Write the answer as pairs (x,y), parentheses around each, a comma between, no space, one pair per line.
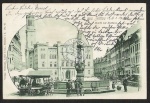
(132,93)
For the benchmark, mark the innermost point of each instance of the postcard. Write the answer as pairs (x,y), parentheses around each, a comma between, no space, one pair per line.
(74,51)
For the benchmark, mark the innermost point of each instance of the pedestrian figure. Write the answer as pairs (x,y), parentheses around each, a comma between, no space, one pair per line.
(73,87)
(92,87)
(69,86)
(113,85)
(82,90)
(51,88)
(34,82)
(77,88)
(22,83)
(125,83)
(47,87)
(75,84)
(29,89)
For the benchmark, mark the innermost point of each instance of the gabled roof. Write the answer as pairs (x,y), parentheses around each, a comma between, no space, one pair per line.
(132,30)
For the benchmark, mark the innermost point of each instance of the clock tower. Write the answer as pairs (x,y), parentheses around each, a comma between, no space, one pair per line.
(30,37)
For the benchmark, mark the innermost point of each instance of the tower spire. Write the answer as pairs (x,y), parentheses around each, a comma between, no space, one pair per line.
(30,37)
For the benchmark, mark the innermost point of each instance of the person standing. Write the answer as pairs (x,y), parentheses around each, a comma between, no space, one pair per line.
(22,82)
(113,85)
(52,89)
(125,83)
(73,87)
(77,88)
(68,88)
(82,90)
(29,89)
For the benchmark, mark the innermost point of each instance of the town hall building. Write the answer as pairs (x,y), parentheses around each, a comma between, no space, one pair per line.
(41,56)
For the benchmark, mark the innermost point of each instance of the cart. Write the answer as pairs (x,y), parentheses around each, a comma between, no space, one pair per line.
(33,86)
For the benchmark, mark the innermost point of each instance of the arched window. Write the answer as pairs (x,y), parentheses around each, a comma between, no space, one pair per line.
(88,63)
(43,64)
(55,64)
(30,23)
(68,74)
(89,56)
(50,64)
(55,72)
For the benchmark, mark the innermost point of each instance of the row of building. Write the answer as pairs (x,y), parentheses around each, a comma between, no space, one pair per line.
(14,54)
(123,59)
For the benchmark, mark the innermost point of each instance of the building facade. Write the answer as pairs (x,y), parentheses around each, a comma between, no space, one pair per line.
(41,56)
(14,54)
(123,59)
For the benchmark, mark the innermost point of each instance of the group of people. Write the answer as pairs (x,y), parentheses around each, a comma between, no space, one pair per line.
(47,85)
(124,83)
(74,87)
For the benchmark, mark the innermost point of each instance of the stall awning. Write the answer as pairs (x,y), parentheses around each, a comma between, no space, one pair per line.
(39,73)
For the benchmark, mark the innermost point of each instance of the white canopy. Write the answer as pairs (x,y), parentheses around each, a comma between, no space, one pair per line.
(13,73)
(26,71)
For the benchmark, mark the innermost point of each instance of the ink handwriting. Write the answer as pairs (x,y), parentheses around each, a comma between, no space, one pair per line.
(100,26)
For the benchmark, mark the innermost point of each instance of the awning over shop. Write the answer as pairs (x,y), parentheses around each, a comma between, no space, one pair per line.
(25,71)
(39,73)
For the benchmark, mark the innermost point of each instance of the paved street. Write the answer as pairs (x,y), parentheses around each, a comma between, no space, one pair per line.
(132,93)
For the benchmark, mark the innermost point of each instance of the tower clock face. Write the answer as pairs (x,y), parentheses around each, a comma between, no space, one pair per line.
(70,50)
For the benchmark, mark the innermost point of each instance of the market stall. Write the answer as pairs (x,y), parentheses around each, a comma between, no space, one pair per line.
(34,83)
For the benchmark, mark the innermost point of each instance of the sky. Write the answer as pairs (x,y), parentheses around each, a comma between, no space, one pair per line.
(49,30)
